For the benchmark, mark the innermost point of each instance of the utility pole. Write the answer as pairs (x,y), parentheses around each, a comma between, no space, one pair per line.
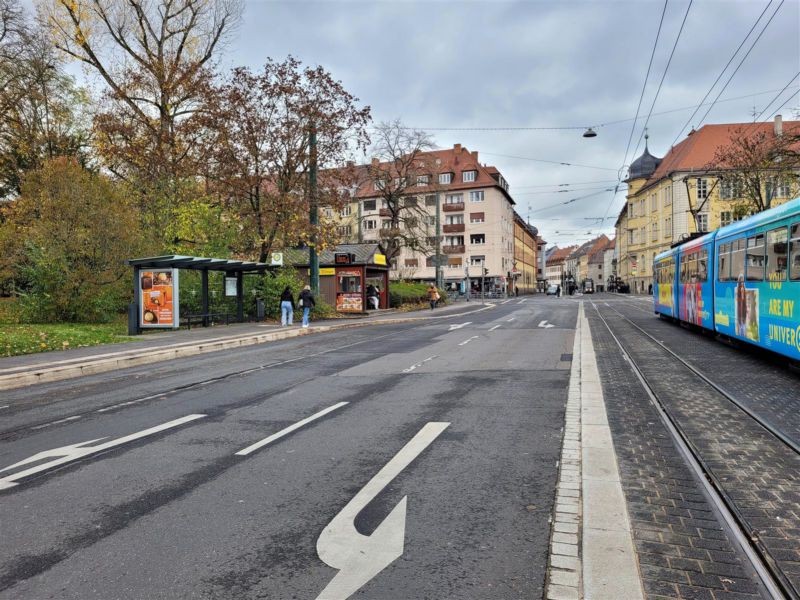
(483,275)
(438,263)
(313,259)
(358,223)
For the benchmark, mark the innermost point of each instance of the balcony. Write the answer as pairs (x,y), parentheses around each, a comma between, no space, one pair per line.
(454,228)
(390,233)
(453,249)
(453,206)
(385,212)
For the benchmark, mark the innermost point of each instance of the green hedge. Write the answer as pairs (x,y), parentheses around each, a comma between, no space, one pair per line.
(403,292)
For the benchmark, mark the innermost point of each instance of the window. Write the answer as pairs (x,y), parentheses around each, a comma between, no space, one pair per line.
(777,188)
(476,217)
(702,188)
(477,260)
(344,230)
(393,264)
(454,240)
(667,196)
(346,211)
(454,198)
(429,262)
(454,262)
(411,222)
(370,224)
(702,264)
(777,254)
(476,196)
(653,203)
(410,201)
(468,176)
(386,224)
(654,232)
(430,200)
(445,178)
(370,204)
(430,220)
(630,237)
(630,210)
(477,238)
(702,221)
(380,184)
(668,227)
(794,252)
(328,212)
(412,262)
(737,259)
(755,258)
(454,219)
(724,263)
(725,218)
(730,190)
(423,180)
(432,240)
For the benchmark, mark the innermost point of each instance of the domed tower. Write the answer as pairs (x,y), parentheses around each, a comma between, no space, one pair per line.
(642,168)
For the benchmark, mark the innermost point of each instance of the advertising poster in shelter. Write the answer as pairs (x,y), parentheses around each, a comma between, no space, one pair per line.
(158,300)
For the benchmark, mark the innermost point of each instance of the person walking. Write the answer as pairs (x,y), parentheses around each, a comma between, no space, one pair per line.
(433,296)
(306,303)
(287,307)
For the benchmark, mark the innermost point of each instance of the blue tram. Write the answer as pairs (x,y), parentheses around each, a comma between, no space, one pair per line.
(742,281)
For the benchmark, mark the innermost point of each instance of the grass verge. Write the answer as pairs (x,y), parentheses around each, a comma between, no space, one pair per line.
(29,339)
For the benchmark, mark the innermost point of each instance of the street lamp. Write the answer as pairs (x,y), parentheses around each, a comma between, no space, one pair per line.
(589,133)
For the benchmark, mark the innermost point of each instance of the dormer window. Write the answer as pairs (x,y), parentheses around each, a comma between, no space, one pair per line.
(469,176)
(445,178)
(423,179)
(380,184)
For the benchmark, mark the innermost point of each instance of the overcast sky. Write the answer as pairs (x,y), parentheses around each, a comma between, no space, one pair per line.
(541,64)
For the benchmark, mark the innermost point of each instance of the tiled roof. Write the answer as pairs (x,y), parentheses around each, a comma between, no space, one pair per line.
(363,254)
(591,246)
(559,255)
(452,160)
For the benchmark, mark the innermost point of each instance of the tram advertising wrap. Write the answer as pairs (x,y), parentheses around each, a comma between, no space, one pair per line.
(742,281)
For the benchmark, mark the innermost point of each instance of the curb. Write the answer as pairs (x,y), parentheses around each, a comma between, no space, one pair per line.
(104,365)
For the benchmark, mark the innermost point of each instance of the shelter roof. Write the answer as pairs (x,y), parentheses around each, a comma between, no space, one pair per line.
(198,263)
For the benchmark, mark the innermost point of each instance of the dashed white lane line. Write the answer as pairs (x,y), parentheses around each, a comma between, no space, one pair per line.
(130,403)
(521,301)
(290,429)
(419,364)
(468,340)
(505,301)
(495,327)
(56,422)
(6,406)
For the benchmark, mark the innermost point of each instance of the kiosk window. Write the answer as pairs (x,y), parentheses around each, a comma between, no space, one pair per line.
(755,258)
(777,254)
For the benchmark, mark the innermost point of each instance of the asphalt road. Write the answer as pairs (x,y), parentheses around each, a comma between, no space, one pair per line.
(430,474)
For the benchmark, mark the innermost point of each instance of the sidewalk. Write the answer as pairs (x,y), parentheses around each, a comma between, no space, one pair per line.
(30,369)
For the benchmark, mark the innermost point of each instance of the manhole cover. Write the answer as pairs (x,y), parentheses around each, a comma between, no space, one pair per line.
(566,357)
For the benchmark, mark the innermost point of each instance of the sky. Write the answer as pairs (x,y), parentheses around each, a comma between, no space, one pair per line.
(520,81)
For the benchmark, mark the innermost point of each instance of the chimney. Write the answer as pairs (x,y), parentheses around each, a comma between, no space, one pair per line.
(778,125)
(457,148)
(475,156)
(375,162)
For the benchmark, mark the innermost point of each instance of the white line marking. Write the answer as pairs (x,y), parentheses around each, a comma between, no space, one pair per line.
(521,301)
(290,429)
(73,452)
(359,557)
(495,327)
(511,319)
(505,301)
(454,327)
(468,340)
(56,422)
(419,364)
(6,406)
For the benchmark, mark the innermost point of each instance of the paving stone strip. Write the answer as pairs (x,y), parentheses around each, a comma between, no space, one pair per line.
(759,473)
(682,549)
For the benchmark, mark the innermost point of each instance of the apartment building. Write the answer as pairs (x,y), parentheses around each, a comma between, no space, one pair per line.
(476,221)
(671,198)
(555,268)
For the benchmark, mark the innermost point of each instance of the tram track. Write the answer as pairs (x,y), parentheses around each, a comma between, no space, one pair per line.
(775,581)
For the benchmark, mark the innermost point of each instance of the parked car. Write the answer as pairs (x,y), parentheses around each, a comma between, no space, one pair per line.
(552,290)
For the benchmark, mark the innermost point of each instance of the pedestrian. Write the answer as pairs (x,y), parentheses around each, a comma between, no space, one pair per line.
(306,303)
(433,296)
(516,291)
(287,306)
(372,296)
(558,291)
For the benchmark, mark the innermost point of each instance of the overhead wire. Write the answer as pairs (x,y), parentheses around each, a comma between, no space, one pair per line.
(552,162)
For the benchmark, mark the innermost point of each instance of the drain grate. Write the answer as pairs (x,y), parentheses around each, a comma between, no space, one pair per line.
(566,357)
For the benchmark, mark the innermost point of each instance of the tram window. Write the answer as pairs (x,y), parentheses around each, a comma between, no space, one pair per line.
(777,254)
(702,265)
(724,263)
(794,252)
(755,258)
(737,259)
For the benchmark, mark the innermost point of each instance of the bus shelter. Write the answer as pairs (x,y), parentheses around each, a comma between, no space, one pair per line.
(156,301)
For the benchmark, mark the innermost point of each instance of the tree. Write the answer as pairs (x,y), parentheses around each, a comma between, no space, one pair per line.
(155,57)
(66,240)
(260,160)
(755,163)
(402,162)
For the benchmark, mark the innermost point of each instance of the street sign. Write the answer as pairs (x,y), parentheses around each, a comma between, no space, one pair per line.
(439,260)
(276,259)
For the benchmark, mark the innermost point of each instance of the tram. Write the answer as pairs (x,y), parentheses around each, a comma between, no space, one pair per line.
(741,281)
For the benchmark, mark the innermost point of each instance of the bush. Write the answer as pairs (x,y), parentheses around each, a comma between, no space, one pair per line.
(404,292)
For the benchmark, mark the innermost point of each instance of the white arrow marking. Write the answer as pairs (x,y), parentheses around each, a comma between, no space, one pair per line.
(360,557)
(73,452)
(290,429)
(454,327)
(419,364)
(468,340)
(545,325)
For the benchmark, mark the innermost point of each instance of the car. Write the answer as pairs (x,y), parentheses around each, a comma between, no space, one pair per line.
(552,290)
